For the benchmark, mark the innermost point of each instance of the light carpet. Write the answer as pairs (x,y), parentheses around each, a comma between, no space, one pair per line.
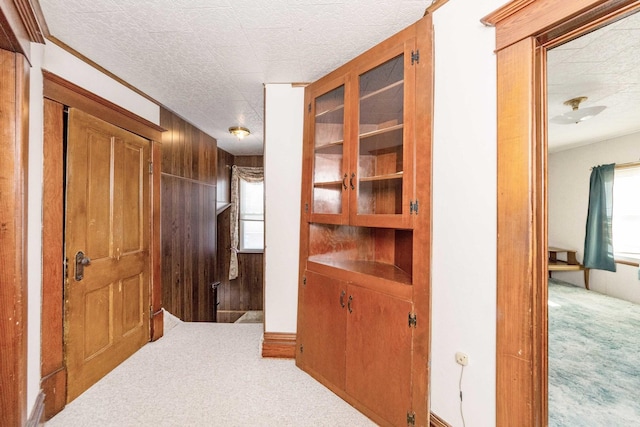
(594,373)
(207,374)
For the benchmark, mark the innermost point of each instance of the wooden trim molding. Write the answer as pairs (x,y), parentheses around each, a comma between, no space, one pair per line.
(436,421)
(52,370)
(19,27)
(14,146)
(525,29)
(72,95)
(103,70)
(279,345)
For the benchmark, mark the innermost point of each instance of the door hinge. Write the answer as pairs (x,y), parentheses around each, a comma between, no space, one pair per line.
(413,320)
(415,57)
(413,207)
(150,168)
(411,418)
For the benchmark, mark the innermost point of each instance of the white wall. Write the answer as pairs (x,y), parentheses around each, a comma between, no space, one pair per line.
(568,187)
(464,213)
(34,226)
(57,61)
(284,111)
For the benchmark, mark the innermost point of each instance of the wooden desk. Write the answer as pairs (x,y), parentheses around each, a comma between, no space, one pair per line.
(570,264)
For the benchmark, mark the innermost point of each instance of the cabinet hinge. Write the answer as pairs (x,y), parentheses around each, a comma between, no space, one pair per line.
(415,57)
(66,267)
(411,418)
(309,107)
(413,207)
(150,168)
(301,348)
(150,312)
(304,280)
(413,320)
(306,207)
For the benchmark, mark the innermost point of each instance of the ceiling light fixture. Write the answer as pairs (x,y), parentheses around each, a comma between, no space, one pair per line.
(577,115)
(239,131)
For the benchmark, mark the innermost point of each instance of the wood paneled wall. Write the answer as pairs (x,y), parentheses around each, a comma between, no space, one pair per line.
(245,293)
(188,228)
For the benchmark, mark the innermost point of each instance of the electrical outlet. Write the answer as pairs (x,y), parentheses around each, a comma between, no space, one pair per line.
(462,358)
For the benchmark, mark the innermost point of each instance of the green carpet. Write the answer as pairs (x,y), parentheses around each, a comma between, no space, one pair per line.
(594,373)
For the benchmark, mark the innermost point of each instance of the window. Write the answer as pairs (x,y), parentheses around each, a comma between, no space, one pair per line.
(251,216)
(626,212)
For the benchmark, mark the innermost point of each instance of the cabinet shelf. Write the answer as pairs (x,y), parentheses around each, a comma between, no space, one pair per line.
(386,177)
(335,147)
(382,90)
(327,184)
(329,111)
(382,131)
(379,276)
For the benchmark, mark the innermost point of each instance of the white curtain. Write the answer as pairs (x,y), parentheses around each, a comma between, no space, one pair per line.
(250,175)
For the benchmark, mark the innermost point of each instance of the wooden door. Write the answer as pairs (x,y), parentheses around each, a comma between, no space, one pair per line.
(107,218)
(323,328)
(379,353)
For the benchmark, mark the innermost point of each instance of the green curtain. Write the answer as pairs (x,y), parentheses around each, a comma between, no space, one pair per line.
(598,241)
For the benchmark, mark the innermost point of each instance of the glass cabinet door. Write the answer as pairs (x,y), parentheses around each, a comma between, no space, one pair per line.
(382,166)
(329,177)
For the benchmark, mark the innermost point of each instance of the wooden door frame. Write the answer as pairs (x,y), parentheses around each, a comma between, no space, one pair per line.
(65,93)
(525,29)
(18,29)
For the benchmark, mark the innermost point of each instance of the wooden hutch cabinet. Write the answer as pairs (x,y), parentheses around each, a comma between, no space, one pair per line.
(363,309)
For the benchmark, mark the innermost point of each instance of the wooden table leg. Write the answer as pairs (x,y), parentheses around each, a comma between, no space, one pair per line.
(586,278)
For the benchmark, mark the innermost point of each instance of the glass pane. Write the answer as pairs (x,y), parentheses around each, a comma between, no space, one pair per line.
(626,211)
(251,235)
(251,199)
(329,152)
(380,161)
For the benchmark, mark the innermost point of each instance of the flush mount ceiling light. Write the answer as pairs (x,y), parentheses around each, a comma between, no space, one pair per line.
(239,131)
(577,115)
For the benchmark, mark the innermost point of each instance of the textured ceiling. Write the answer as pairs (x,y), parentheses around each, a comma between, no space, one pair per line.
(207,60)
(604,66)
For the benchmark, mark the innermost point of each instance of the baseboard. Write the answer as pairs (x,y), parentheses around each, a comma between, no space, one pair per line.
(54,388)
(279,345)
(436,421)
(157,325)
(36,418)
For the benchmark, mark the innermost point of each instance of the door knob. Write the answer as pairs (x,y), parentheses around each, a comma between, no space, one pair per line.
(81,262)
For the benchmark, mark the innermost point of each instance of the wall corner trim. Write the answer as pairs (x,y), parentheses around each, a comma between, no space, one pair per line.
(279,345)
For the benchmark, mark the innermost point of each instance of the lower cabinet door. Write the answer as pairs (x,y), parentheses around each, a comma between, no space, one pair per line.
(324,328)
(378,361)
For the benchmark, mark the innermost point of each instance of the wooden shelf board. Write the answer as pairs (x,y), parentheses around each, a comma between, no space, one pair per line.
(381,90)
(330,110)
(335,147)
(387,177)
(376,275)
(381,131)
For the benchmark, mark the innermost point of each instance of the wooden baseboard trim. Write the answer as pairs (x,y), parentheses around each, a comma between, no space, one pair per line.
(36,418)
(157,325)
(436,421)
(54,387)
(279,345)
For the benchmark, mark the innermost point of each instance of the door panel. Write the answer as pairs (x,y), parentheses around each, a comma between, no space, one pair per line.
(324,337)
(379,353)
(107,218)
